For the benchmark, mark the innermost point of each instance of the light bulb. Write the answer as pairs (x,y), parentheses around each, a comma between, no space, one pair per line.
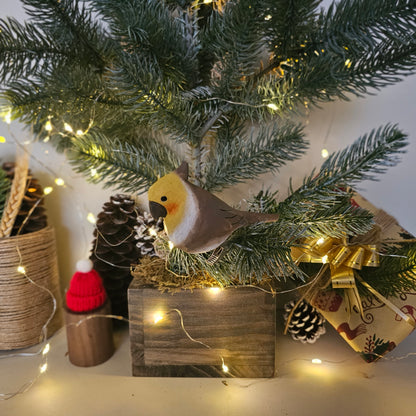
(47,190)
(320,241)
(316,361)
(157,317)
(152,232)
(21,269)
(91,218)
(273,106)
(324,153)
(43,368)
(2,139)
(8,117)
(48,126)
(68,128)
(59,181)
(46,349)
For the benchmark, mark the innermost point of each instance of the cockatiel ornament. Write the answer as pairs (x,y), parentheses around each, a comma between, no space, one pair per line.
(195,220)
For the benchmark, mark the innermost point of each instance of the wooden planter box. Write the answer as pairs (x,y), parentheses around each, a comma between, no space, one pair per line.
(235,326)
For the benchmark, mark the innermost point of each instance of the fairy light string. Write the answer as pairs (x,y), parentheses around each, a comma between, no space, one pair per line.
(45,345)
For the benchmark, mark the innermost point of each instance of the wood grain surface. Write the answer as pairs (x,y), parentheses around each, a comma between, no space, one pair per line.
(236,325)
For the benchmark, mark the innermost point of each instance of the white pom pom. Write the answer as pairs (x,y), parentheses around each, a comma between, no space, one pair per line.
(84,266)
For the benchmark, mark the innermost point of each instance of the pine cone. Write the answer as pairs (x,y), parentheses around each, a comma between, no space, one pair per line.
(306,324)
(32,213)
(114,249)
(145,234)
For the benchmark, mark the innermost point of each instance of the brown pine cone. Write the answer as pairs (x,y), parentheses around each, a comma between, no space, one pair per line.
(32,213)
(114,249)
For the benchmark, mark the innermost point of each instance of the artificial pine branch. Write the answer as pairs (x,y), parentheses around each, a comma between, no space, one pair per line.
(291,22)
(357,46)
(397,271)
(239,156)
(204,76)
(70,23)
(133,168)
(371,154)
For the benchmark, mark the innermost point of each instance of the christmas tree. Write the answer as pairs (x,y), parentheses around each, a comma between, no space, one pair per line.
(130,89)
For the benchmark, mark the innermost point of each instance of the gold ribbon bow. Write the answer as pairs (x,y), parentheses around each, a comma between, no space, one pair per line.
(344,260)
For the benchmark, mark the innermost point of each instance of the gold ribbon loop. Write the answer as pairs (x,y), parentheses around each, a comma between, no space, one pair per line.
(343,260)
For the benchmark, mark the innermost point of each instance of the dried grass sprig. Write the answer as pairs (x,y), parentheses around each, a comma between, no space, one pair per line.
(17,192)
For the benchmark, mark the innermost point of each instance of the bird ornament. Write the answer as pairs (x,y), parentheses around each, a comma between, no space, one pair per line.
(195,220)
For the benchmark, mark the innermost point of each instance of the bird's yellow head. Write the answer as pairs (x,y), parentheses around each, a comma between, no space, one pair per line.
(167,197)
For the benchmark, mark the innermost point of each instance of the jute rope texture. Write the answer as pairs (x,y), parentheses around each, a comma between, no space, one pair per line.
(24,306)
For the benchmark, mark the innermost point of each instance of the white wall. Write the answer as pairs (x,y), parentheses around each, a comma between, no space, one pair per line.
(333,126)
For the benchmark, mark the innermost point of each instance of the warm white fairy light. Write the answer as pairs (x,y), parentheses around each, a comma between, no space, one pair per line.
(157,317)
(152,231)
(59,181)
(316,361)
(324,153)
(225,368)
(8,117)
(91,218)
(68,128)
(320,241)
(268,17)
(171,245)
(48,126)
(214,290)
(2,139)
(325,259)
(21,269)
(46,349)
(43,368)
(79,132)
(93,172)
(47,190)
(273,106)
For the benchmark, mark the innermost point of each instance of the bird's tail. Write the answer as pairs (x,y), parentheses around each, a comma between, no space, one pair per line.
(255,217)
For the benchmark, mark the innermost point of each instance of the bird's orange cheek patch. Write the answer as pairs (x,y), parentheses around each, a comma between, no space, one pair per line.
(171,208)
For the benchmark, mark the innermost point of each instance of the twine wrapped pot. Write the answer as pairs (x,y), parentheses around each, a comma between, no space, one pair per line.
(25,307)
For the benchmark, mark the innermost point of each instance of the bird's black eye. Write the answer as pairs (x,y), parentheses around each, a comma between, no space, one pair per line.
(164,198)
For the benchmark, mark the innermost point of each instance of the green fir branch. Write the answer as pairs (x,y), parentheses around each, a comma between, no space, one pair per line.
(25,51)
(358,46)
(131,168)
(371,154)
(250,255)
(153,32)
(287,24)
(238,158)
(396,273)
(71,24)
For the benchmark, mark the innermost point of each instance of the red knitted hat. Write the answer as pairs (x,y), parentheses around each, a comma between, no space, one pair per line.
(86,291)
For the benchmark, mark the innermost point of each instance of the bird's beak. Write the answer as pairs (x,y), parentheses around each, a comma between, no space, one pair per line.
(157,210)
